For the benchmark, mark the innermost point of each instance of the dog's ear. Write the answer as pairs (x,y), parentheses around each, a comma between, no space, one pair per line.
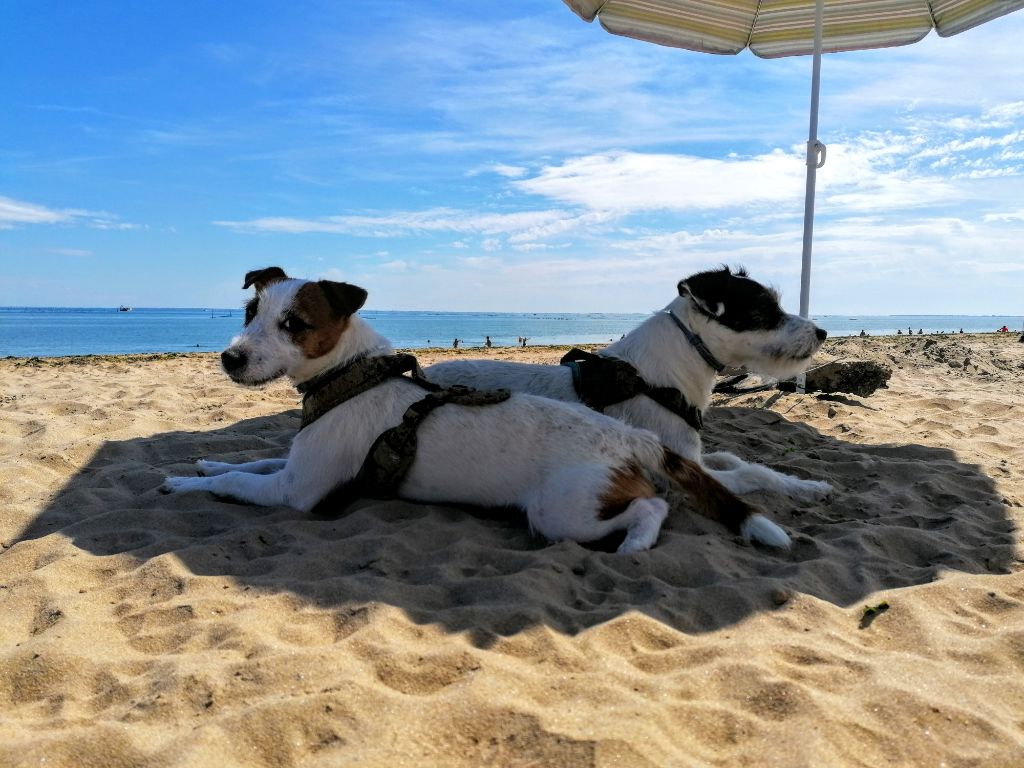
(263,277)
(707,290)
(344,298)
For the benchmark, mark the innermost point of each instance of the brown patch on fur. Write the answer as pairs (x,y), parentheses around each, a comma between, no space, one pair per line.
(627,483)
(325,324)
(712,499)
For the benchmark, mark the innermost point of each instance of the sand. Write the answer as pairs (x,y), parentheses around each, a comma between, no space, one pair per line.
(147,630)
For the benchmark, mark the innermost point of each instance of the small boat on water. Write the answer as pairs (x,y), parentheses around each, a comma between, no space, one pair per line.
(123,308)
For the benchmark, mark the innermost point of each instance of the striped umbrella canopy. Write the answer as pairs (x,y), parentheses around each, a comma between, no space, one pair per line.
(775,28)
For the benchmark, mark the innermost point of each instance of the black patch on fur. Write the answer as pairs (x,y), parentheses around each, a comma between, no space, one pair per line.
(748,305)
(261,277)
(251,307)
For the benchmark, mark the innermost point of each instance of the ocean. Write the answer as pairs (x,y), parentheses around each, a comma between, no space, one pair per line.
(50,332)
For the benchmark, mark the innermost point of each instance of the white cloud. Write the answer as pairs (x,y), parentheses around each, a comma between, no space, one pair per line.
(870,172)
(14,212)
(520,225)
(631,181)
(69,251)
(481,262)
(19,213)
(527,247)
(1005,216)
(501,169)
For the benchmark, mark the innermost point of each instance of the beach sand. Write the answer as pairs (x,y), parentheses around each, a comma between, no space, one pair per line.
(147,630)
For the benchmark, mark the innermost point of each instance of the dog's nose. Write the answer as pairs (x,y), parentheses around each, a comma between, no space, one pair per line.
(821,333)
(232,360)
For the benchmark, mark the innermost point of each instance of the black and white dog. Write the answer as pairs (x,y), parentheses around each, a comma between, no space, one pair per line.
(719,319)
(577,473)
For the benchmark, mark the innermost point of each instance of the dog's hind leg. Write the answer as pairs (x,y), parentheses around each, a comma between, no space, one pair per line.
(587,503)
(714,499)
(743,477)
(261,467)
(643,519)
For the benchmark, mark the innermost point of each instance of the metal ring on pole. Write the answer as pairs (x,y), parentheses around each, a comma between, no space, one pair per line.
(815,153)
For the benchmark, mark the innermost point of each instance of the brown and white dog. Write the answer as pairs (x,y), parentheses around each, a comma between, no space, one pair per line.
(578,474)
(739,323)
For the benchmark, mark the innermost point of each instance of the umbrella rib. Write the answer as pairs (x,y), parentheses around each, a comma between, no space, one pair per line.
(753,23)
(931,15)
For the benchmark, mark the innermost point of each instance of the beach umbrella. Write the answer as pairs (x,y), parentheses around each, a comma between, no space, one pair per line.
(775,28)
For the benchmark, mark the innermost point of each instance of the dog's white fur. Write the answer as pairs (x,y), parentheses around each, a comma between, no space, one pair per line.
(553,459)
(664,357)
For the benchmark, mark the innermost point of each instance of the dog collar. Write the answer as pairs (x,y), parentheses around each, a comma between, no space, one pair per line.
(697,343)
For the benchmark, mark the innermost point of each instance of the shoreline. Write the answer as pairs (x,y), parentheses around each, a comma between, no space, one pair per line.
(438,352)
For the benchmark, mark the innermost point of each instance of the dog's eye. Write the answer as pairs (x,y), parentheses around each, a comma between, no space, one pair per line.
(293,324)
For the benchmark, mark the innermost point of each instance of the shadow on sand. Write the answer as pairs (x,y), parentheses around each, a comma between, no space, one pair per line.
(900,515)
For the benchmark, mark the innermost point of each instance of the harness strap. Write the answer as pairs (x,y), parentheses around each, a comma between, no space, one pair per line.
(602,381)
(394,450)
(335,386)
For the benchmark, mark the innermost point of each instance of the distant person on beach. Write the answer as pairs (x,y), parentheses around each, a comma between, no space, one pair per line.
(899,332)
(862,333)
(1004,329)
(920,332)
(961,330)
(487,342)
(455,344)
(524,342)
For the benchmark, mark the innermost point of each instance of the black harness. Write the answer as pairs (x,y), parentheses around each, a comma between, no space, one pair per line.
(394,450)
(601,381)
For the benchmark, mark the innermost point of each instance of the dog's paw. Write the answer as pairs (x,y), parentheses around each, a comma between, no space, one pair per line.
(810,491)
(183,484)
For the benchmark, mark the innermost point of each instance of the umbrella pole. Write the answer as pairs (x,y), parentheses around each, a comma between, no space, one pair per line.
(815,159)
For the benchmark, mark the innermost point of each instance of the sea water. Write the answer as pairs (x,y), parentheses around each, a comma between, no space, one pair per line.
(42,331)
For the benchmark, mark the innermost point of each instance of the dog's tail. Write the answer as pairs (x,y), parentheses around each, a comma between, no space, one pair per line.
(713,500)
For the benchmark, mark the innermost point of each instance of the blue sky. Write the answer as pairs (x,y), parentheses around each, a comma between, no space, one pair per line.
(492,156)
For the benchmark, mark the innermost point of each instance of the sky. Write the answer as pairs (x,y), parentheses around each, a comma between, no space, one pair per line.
(478,156)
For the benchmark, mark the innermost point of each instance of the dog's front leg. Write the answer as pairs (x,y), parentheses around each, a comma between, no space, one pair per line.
(742,477)
(264,490)
(261,467)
